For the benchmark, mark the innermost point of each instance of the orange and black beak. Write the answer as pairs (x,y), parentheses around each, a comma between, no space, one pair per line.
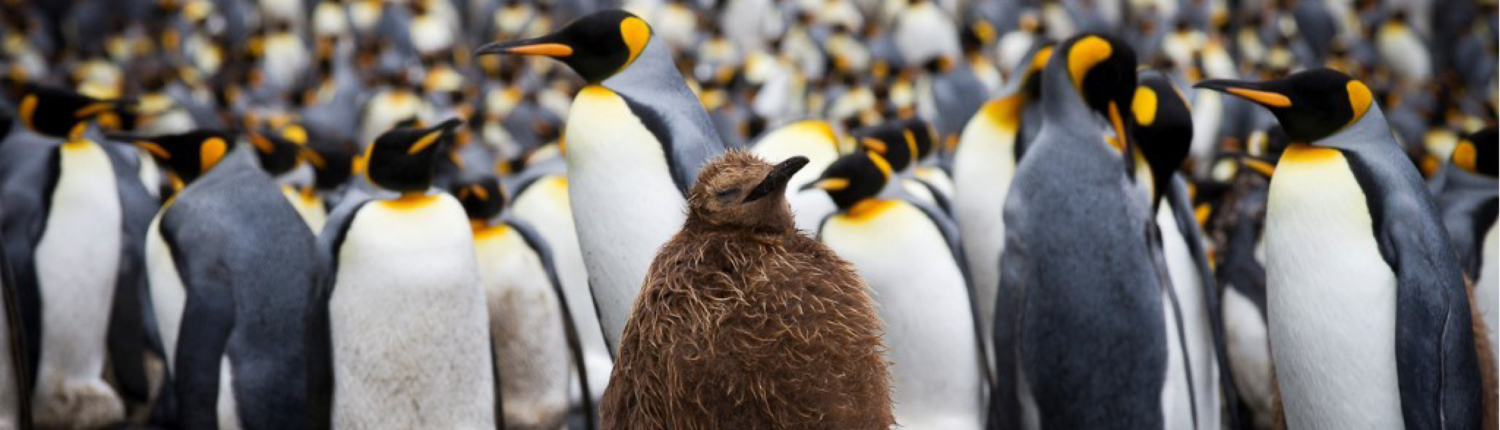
(1262,93)
(546,46)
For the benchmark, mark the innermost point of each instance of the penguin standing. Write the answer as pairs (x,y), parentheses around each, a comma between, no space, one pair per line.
(913,269)
(1370,323)
(231,267)
(1164,132)
(1082,342)
(398,332)
(984,162)
(636,116)
(746,323)
(64,229)
(529,323)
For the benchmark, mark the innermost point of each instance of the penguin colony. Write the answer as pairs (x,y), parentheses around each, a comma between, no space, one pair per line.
(663,214)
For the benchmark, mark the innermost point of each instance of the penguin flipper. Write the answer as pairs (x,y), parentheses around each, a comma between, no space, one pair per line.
(1187,223)
(207,319)
(319,334)
(1005,401)
(26,205)
(127,338)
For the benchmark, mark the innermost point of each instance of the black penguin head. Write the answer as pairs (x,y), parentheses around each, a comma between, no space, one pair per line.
(854,178)
(741,190)
(921,134)
(1031,72)
(279,150)
(482,197)
(1102,69)
(893,140)
(333,163)
(1310,105)
(188,155)
(1163,127)
(403,159)
(597,45)
(1476,152)
(57,112)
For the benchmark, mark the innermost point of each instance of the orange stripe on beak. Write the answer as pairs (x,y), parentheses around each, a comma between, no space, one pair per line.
(548,49)
(1263,97)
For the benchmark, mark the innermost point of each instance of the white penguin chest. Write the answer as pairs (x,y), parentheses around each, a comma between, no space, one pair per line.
(1331,298)
(76,263)
(624,200)
(526,322)
(923,299)
(408,322)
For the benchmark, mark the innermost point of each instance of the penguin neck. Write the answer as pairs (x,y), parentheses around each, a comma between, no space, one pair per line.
(651,75)
(1062,103)
(1369,132)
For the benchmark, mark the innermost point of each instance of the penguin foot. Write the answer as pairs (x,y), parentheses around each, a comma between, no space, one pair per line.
(78,405)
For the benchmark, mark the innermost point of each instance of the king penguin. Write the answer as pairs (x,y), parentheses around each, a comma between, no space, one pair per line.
(1079,334)
(636,137)
(530,324)
(984,162)
(398,332)
(231,267)
(67,234)
(1369,319)
(912,266)
(1164,133)
(1467,199)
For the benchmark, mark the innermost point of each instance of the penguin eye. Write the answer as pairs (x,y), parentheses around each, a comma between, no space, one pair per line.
(728,194)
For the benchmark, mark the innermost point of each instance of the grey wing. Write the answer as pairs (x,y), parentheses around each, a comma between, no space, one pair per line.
(24,193)
(1015,267)
(319,337)
(129,334)
(207,316)
(1187,223)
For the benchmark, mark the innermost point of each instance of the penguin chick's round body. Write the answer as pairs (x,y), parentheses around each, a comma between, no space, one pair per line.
(401,328)
(745,323)
(1369,317)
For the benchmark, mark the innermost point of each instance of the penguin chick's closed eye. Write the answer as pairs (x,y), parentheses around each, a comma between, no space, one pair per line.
(742,191)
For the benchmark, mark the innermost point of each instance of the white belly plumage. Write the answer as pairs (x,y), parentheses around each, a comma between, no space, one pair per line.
(526,322)
(1186,282)
(923,299)
(983,167)
(1331,298)
(77,261)
(545,206)
(1487,288)
(408,321)
(624,201)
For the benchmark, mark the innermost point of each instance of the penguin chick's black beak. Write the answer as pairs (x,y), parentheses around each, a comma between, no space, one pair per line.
(777,179)
(544,46)
(1253,91)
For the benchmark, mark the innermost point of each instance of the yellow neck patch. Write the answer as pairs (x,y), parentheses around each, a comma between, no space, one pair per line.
(1084,55)
(28,111)
(1465,156)
(409,201)
(868,208)
(210,152)
(880,163)
(911,144)
(1359,99)
(1304,153)
(1144,106)
(636,34)
(1039,61)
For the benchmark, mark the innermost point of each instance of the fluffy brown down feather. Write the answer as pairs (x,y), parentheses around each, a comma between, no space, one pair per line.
(748,325)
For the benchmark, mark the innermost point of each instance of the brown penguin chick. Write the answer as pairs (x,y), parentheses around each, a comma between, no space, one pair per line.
(746,323)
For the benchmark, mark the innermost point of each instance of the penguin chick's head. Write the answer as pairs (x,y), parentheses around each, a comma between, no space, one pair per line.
(57,112)
(403,159)
(1163,127)
(597,45)
(853,178)
(188,155)
(1310,105)
(740,190)
(1102,68)
(1476,152)
(481,197)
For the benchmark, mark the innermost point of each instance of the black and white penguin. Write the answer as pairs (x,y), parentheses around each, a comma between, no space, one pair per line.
(398,331)
(984,162)
(636,115)
(1196,376)
(1090,348)
(231,267)
(896,246)
(1467,198)
(530,324)
(1369,319)
(74,213)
